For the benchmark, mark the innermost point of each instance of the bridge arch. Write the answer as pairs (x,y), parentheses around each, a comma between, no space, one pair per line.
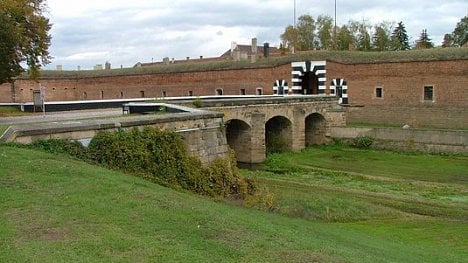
(239,138)
(315,129)
(278,134)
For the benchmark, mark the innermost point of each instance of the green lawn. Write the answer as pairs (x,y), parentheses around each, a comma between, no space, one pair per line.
(3,128)
(57,209)
(6,111)
(391,165)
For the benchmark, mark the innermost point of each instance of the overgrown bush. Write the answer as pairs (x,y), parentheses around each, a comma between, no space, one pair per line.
(262,199)
(198,102)
(363,142)
(160,156)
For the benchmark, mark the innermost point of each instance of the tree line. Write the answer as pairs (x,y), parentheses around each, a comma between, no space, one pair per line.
(321,34)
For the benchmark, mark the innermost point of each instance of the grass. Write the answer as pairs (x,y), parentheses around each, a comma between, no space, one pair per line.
(3,128)
(393,165)
(347,57)
(57,209)
(6,111)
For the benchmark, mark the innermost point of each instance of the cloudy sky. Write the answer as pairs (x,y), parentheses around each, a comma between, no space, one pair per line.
(123,32)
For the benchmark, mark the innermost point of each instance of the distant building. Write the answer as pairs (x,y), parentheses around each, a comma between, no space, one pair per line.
(237,52)
(246,52)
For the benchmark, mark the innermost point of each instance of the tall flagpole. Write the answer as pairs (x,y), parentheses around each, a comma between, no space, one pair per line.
(294,13)
(334,30)
(293,47)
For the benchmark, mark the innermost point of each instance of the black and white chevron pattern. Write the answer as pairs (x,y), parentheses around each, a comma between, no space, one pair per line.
(280,87)
(339,88)
(298,70)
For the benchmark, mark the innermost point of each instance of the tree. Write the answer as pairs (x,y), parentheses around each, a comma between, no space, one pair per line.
(353,27)
(399,39)
(344,38)
(363,40)
(289,38)
(324,31)
(424,41)
(381,37)
(306,32)
(448,40)
(460,33)
(24,38)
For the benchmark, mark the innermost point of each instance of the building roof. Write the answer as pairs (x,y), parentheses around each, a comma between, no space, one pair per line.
(248,50)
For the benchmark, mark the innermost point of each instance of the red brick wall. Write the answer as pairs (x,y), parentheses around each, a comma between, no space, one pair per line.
(5,93)
(153,85)
(402,84)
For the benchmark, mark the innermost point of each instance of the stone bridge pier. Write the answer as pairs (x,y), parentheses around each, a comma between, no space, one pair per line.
(252,130)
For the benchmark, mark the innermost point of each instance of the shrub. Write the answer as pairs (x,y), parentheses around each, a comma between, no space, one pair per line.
(160,156)
(262,199)
(198,102)
(363,141)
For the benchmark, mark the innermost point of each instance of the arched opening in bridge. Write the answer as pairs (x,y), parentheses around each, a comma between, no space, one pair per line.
(278,135)
(310,83)
(238,135)
(315,129)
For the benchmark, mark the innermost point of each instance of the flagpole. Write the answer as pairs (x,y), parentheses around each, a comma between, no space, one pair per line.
(293,47)
(334,30)
(294,13)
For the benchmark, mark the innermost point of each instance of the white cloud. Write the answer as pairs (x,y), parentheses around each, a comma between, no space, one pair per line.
(124,32)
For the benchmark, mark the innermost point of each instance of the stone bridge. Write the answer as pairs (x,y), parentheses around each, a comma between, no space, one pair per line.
(255,126)
(251,126)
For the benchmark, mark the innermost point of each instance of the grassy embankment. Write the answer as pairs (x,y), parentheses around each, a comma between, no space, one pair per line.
(381,207)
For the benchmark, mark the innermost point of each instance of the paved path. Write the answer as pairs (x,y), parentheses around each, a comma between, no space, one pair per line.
(61,116)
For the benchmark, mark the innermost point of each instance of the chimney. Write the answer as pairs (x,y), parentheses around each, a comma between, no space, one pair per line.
(253,56)
(233,46)
(254,45)
(201,57)
(266,49)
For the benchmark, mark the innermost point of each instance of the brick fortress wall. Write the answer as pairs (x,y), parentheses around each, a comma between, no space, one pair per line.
(402,85)
(231,82)
(402,99)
